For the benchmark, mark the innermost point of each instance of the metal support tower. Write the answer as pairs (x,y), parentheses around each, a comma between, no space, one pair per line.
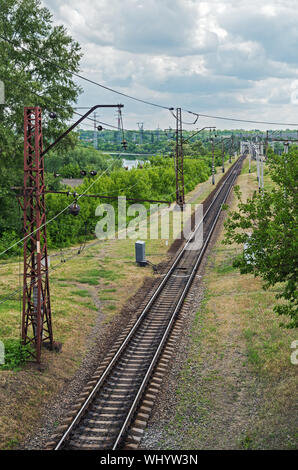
(179,160)
(36,317)
(141,128)
(223,155)
(232,149)
(213,167)
(157,133)
(119,125)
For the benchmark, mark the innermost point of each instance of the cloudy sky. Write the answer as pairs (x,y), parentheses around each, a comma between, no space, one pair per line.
(230,58)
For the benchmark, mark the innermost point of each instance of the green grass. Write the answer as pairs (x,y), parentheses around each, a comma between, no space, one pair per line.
(105,297)
(15,354)
(226,266)
(12,443)
(110,275)
(246,442)
(111,307)
(81,293)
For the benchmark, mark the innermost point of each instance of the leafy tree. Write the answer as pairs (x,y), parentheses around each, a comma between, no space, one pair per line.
(31,80)
(267,225)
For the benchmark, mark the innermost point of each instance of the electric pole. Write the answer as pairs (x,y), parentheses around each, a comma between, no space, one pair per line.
(36,312)
(232,149)
(119,125)
(157,133)
(36,315)
(223,155)
(213,179)
(179,160)
(141,128)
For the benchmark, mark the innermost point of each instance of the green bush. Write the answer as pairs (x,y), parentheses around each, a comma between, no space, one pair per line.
(15,354)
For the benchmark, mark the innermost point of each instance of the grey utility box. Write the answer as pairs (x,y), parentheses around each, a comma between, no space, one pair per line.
(140,253)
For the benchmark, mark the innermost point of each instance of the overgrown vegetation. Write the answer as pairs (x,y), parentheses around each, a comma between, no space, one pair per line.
(15,354)
(267,224)
(156,180)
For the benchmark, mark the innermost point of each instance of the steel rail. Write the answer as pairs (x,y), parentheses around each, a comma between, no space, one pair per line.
(139,321)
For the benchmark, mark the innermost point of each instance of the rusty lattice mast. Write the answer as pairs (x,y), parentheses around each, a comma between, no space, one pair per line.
(180,200)
(36,317)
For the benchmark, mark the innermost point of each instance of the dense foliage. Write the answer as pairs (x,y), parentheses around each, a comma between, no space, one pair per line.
(156,180)
(70,163)
(16,354)
(267,225)
(31,81)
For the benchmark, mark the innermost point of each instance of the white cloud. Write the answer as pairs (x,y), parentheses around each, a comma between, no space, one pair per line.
(235,58)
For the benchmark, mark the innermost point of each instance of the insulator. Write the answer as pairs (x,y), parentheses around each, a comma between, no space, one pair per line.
(74,194)
(56,175)
(83,172)
(93,172)
(52,115)
(74,208)
(99,128)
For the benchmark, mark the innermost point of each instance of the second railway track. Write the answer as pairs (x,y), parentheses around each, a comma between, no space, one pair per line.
(103,420)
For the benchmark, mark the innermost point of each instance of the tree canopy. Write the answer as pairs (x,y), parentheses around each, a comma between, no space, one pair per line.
(31,79)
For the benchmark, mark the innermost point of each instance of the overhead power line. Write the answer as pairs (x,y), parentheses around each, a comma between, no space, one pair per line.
(81,76)
(241,120)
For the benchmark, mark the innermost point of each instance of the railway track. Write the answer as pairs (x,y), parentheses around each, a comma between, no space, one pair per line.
(109,408)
